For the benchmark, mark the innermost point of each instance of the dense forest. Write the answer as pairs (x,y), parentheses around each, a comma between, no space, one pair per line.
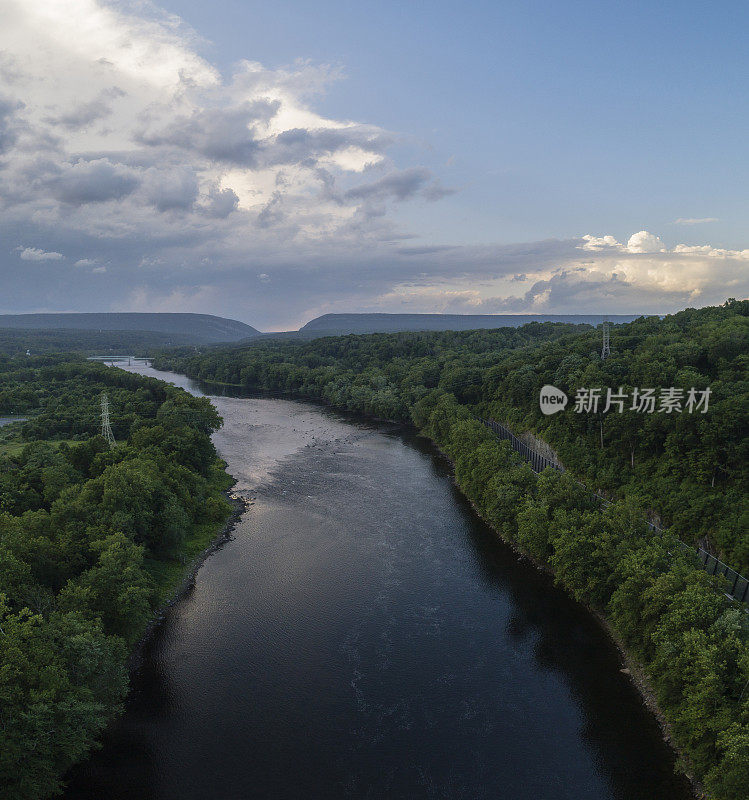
(92,540)
(689,469)
(37,341)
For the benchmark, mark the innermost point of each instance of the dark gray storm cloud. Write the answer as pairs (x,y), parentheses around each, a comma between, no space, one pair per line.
(92,181)
(172,189)
(219,134)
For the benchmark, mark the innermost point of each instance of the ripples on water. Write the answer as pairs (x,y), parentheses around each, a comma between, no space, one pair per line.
(363,635)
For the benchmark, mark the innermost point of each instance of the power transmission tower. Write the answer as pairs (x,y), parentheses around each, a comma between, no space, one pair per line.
(106,428)
(606,349)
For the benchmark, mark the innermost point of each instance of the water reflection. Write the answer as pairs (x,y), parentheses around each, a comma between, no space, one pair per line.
(365,635)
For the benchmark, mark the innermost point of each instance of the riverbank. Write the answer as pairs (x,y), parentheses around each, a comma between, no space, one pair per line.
(629,664)
(96,540)
(636,672)
(174,579)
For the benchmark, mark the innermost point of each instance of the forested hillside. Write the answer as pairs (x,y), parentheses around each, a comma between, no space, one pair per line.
(689,468)
(92,540)
(36,341)
(343,324)
(196,328)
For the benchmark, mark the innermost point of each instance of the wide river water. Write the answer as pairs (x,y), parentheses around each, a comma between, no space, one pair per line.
(364,635)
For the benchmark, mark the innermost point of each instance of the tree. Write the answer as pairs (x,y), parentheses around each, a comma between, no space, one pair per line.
(61,679)
(115,590)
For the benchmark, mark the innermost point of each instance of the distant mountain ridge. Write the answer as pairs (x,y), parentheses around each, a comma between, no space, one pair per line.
(179,329)
(196,328)
(332,324)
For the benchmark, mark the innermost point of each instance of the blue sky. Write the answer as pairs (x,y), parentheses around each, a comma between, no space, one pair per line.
(554,118)
(275,161)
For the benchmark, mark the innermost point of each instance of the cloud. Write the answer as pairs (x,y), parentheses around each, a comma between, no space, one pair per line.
(600,243)
(300,145)
(436,191)
(640,242)
(593,274)
(220,202)
(219,134)
(9,123)
(124,144)
(401,185)
(35,254)
(93,181)
(188,190)
(91,265)
(695,220)
(644,242)
(85,114)
(170,189)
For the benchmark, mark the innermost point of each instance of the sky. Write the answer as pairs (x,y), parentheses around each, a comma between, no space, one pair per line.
(271,162)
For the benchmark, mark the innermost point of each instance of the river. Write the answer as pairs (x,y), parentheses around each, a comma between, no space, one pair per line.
(364,635)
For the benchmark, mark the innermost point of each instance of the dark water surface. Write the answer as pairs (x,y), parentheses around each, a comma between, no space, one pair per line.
(364,635)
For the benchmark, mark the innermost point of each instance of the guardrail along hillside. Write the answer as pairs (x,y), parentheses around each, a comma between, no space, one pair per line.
(739,585)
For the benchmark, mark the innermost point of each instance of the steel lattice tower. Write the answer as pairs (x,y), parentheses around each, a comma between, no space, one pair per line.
(605,349)
(106,428)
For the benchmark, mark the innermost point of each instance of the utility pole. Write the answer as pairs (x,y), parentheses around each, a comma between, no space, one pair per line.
(106,428)
(606,349)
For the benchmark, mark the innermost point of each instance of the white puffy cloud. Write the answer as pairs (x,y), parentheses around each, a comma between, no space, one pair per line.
(640,242)
(101,106)
(36,254)
(90,265)
(644,242)
(600,242)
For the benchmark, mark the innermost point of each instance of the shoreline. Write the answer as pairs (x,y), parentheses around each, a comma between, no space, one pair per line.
(187,582)
(631,667)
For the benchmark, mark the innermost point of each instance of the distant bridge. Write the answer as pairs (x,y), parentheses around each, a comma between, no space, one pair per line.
(118,359)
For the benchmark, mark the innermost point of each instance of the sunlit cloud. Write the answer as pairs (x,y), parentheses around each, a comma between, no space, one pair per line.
(36,254)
